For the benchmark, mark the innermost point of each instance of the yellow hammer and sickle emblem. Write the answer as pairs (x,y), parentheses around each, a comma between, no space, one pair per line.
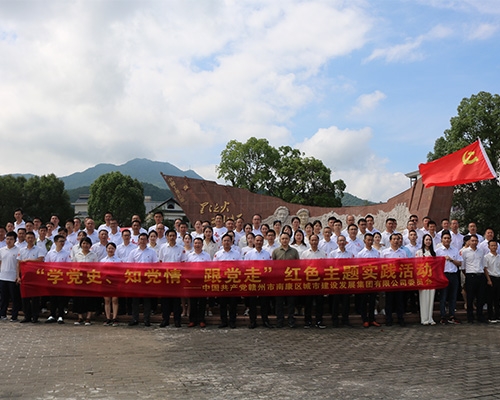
(468,158)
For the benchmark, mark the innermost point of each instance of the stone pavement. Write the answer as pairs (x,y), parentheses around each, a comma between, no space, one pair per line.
(53,361)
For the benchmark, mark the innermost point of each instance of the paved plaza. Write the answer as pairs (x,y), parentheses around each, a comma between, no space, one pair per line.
(50,361)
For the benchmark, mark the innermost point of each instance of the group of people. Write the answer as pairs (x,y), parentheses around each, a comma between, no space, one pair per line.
(472,266)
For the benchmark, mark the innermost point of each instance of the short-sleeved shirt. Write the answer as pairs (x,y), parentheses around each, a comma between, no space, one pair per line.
(254,254)
(147,255)
(8,268)
(451,252)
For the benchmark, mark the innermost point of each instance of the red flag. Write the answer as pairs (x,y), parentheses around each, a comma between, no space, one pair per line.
(470,164)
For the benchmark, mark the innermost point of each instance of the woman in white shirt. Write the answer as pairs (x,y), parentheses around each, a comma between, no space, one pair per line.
(426,297)
(111,302)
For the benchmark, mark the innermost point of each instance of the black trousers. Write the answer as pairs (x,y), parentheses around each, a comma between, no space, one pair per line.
(171,305)
(394,299)
(10,291)
(253,302)
(31,308)
(197,307)
(57,305)
(493,297)
(146,302)
(475,286)
(280,309)
(368,306)
(340,302)
(309,301)
(232,304)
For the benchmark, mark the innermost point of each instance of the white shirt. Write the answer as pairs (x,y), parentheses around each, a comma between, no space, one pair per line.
(198,257)
(8,266)
(309,254)
(99,249)
(218,233)
(258,255)
(390,253)
(172,253)
(451,252)
(104,226)
(270,248)
(230,255)
(337,253)
(365,253)
(473,261)
(58,256)
(114,259)
(492,263)
(138,255)
(94,236)
(30,254)
(123,251)
(21,224)
(115,238)
(327,247)
(89,257)
(354,246)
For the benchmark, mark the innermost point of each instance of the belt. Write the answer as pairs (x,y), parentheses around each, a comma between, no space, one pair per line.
(474,274)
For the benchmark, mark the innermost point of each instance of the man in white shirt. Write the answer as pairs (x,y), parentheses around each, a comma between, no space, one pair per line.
(271,241)
(256,221)
(124,249)
(475,279)
(227,253)
(489,234)
(457,239)
(90,230)
(492,272)
(99,248)
(340,302)
(258,253)
(425,227)
(370,224)
(452,263)
(313,253)
(197,305)
(368,300)
(19,222)
(21,238)
(114,235)
(238,230)
(171,252)
(43,242)
(219,228)
(158,217)
(390,224)
(473,231)
(3,232)
(9,288)
(31,305)
(327,244)
(354,244)
(108,216)
(394,251)
(142,254)
(57,303)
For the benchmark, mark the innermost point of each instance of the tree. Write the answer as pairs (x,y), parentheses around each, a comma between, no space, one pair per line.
(44,196)
(478,117)
(117,193)
(284,172)
(37,196)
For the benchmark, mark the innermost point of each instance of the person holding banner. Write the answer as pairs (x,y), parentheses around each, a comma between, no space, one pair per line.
(368,299)
(197,305)
(85,305)
(57,303)
(227,253)
(111,318)
(426,297)
(142,254)
(394,251)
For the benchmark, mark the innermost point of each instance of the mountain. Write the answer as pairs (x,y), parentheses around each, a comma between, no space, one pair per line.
(351,200)
(153,191)
(142,169)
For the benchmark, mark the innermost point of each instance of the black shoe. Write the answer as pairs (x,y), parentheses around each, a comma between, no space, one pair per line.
(307,325)
(267,324)
(223,325)
(252,325)
(177,324)
(388,323)
(279,324)
(23,321)
(134,322)
(164,323)
(335,324)
(232,325)
(147,323)
(402,323)
(35,321)
(347,325)
(291,325)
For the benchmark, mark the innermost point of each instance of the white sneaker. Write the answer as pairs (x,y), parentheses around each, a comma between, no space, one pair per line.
(60,320)
(382,311)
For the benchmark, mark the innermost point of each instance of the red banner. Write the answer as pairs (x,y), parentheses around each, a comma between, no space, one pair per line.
(235,278)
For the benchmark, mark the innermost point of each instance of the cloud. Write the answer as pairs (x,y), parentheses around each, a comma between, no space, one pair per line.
(409,51)
(348,153)
(367,102)
(107,81)
(483,31)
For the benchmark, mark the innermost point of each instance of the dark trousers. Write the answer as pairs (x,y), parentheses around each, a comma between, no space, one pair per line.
(340,303)
(224,303)
(309,301)
(394,299)
(475,286)
(280,309)
(171,305)
(493,297)
(57,305)
(368,306)
(449,293)
(264,308)
(146,302)
(197,307)
(31,308)
(10,291)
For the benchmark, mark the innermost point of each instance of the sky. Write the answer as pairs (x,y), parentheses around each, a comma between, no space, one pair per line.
(365,86)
